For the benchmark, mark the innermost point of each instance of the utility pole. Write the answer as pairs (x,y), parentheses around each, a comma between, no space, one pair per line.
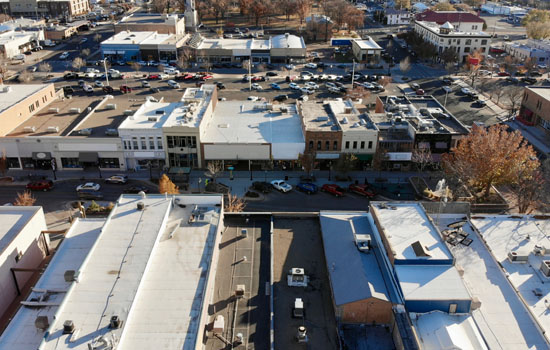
(352,73)
(106,74)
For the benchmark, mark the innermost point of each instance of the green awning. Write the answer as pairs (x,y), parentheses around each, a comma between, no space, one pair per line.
(364,157)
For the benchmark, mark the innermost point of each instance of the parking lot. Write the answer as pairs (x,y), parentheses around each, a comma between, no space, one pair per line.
(297,243)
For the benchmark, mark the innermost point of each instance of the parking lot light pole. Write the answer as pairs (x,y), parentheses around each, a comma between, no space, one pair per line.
(106,74)
(446,94)
(352,73)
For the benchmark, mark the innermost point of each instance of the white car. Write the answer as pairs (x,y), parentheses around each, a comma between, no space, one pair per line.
(294,86)
(98,83)
(281,185)
(142,63)
(117,179)
(334,90)
(332,77)
(111,71)
(304,73)
(257,86)
(171,71)
(64,55)
(306,77)
(447,88)
(290,66)
(368,86)
(307,90)
(311,65)
(90,75)
(466,91)
(331,85)
(83,40)
(87,88)
(88,186)
(253,98)
(312,85)
(173,84)
(145,84)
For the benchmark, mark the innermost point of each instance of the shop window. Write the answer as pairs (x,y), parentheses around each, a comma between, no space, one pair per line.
(134,143)
(354,144)
(159,142)
(143,143)
(127,144)
(13,163)
(318,145)
(151,143)
(310,145)
(347,144)
(70,163)
(109,163)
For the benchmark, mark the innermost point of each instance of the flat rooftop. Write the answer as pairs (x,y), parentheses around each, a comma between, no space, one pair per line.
(522,234)
(157,39)
(234,44)
(354,275)
(348,117)
(150,268)
(127,38)
(431,282)
(433,27)
(439,330)
(405,224)
(148,18)
(12,94)
(242,122)
(151,115)
(317,116)
(192,107)
(56,119)
(502,317)
(105,118)
(21,333)
(13,220)
(367,43)
(543,92)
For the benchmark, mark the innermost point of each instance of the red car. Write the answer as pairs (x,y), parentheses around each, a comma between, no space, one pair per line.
(334,189)
(206,77)
(420,92)
(44,185)
(125,89)
(258,78)
(153,76)
(503,74)
(363,190)
(188,76)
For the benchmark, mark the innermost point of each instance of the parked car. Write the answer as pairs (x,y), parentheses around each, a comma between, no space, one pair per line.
(145,84)
(135,189)
(253,98)
(68,91)
(256,86)
(275,86)
(363,190)
(90,194)
(44,185)
(108,89)
(88,88)
(281,185)
(98,83)
(513,80)
(466,91)
(153,76)
(259,78)
(89,186)
(415,86)
(311,85)
(503,74)
(420,92)
(173,84)
(447,88)
(64,56)
(481,103)
(263,187)
(280,98)
(294,86)
(311,65)
(333,189)
(117,179)
(271,74)
(529,80)
(70,75)
(307,187)
(125,89)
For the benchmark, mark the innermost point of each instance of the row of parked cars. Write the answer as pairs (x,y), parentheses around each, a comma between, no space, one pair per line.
(364,190)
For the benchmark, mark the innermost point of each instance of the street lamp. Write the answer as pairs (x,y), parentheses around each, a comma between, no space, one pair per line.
(99,169)
(329,169)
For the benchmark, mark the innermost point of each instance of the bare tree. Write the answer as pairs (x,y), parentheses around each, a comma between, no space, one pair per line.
(85,53)
(214,168)
(385,81)
(159,5)
(422,157)
(184,58)
(45,67)
(513,99)
(405,65)
(307,160)
(24,199)
(78,63)
(25,76)
(234,204)
(303,8)
(136,66)
(97,38)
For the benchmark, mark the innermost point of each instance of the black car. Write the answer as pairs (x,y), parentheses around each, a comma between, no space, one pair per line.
(535,73)
(68,91)
(108,89)
(270,66)
(280,98)
(70,75)
(512,80)
(89,194)
(529,80)
(263,187)
(154,90)
(271,74)
(136,189)
(343,89)
(220,86)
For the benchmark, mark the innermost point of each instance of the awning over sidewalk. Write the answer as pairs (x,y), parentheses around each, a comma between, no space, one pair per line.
(364,157)
(41,155)
(88,157)
(327,156)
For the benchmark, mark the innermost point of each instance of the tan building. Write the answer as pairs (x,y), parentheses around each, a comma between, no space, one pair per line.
(51,8)
(152,22)
(366,50)
(534,108)
(20,102)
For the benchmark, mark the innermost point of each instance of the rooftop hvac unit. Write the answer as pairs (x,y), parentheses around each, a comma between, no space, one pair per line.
(284,109)
(219,324)
(223,126)
(152,119)
(140,206)
(74,110)
(269,106)
(111,132)
(515,256)
(42,322)
(111,106)
(29,129)
(322,118)
(159,112)
(239,291)
(128,112)
(53,109)
(7,88)
(347,110)
(115,322)
(68,327)
(70,276)
(52,129)
(85,132)
(345,120)
(363,242)
(545,268)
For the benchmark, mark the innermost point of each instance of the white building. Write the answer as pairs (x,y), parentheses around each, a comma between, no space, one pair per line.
(13,43)
(447,36)
(536,50)
(142,279)
(462,21)
(497,8)
(398,17)
(22,245)
(366,50)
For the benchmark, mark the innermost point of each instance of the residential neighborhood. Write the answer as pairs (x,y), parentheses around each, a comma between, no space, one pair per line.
(274,174)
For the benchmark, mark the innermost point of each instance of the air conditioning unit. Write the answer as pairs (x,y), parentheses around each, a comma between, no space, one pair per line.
(152,119)
(128,112)
(545,268)
(74,110)
(140,206)
(52,129)
(516,256)
(111,132)
(29,129)
(85,132)
(111,106)
(363,242)
(55,110)
(540,250)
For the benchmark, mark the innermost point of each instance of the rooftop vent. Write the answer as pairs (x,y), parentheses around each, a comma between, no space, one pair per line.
(348,110)
(85,132)
(54,110)
(68,327)
(29,129)
(111,132)
(52,129)
(545,268)
(6,88)
(42,322)
(159,112)
(115,322)
(224,126)
(419,249)
(345,120)
(70,276)
(152,119)
(140,206)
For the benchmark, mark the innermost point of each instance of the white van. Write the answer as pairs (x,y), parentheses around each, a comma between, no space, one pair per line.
(171,70)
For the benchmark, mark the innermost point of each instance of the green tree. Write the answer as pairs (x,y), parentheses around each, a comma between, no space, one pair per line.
(449,55)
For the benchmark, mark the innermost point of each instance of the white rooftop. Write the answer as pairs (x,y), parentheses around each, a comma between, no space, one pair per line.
(21,333)
(12,94)
(250,122)
(127,38)
(406,223)
(192,108)
(13,220)
(502,318)
(354,275)
(287,41)
(148,267)
(369,44)
(234,44)
(504,234)
(431,282)
(151,115)
(156,39)
(439,330)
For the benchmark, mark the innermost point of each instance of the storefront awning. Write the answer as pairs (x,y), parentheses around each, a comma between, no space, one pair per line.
(88,157)
(109,52)
(364,157)
(327,156)
(41,155)
(399,156)
(179,170)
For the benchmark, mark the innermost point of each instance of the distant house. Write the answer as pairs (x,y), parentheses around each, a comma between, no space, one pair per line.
(398,17)
(419,7)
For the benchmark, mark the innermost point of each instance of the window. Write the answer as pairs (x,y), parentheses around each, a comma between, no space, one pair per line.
(151,143)
(310,145)
(318,145)
(159,142)
(70,163)
(37,104)
(458,41)
(544,123)
(143,143)
(127,144)
(134,143)
(327,145)
(441,145)
(347,144)
(467,49)
(31,108)
(362,144)
(370,144)
(108,163)
(468,42)
(335,146)
(354,144)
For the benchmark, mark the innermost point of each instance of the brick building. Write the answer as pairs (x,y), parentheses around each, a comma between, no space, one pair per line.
(535,106)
